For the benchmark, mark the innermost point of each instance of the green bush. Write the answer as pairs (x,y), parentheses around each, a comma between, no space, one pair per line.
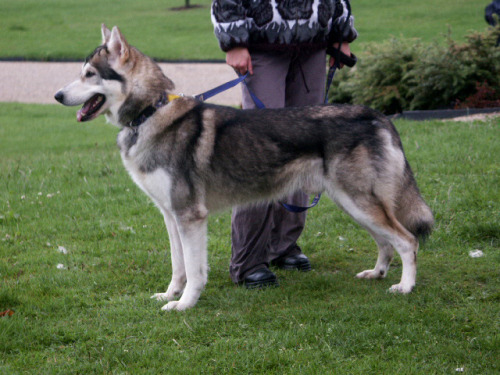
(405,74)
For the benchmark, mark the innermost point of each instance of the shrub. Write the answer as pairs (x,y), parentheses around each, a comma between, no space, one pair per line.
(405,74)
(485,97)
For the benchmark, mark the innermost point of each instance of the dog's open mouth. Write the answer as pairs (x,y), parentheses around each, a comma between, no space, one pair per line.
(91,108)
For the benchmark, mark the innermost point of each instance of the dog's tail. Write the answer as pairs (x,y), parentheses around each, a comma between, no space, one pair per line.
(412,211)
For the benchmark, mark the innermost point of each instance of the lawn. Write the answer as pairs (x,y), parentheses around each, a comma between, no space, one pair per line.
(69,29)
(82,250)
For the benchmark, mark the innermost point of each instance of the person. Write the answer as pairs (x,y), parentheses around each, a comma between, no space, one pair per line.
(492,10)
(282,45)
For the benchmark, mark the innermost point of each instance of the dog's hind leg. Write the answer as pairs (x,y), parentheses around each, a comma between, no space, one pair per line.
(385,254)
(407,246)
(192,227)
(388,232)
(178,281)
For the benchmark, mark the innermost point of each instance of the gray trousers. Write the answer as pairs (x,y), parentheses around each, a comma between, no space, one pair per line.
(264,232)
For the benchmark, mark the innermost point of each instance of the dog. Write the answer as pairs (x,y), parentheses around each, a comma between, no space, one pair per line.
(192,158)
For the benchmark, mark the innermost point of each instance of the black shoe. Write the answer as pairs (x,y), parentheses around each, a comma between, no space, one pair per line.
(261,278)
(293,262)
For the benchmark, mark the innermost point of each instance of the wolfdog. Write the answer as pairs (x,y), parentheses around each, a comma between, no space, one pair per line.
(192,158)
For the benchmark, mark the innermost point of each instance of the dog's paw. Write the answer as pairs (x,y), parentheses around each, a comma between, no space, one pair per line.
(401,288)
(160,296)
(175,306)
(174,291)
(371,274)
(171,294)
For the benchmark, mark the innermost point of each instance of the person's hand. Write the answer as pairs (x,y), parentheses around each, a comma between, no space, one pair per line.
(345,48)
(239,59)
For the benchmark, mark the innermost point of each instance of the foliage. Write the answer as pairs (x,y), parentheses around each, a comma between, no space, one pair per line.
(404,74)
(447,75)
(379,79)
(484,97)
(62,185)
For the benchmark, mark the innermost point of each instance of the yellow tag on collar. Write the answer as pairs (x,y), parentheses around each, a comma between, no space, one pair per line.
(172,97)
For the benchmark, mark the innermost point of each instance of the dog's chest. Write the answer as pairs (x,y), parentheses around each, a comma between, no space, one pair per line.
(156,184)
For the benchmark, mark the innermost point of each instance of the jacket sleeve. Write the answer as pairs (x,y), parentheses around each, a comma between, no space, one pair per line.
(343,29)
(229,18)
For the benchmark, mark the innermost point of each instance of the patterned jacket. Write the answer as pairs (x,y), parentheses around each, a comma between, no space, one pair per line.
(282,24)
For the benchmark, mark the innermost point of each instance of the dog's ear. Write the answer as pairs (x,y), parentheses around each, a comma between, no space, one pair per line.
(118,47)
(106,34)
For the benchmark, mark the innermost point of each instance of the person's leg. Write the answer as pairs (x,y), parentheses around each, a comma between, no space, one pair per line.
(250,232)
(306,81)
(305,85)
(288,227)
(268,82)
(251,226)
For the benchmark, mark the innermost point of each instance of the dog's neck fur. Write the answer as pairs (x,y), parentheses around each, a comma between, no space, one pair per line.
(149,111)
(144,94)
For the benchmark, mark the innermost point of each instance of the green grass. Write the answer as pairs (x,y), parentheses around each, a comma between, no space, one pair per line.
(62,184)
(70,29)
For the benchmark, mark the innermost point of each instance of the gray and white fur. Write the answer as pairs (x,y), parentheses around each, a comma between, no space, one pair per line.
(193,158)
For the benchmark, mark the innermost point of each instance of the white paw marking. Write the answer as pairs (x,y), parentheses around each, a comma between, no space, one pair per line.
(174,305)
(160,296)
(370,274)
(401,288)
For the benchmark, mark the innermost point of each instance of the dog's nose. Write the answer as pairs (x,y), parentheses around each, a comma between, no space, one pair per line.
(59,96)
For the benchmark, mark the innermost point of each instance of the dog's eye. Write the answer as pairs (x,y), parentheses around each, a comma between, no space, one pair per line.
(89,74)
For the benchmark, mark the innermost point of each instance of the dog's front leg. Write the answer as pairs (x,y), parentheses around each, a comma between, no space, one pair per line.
(178,281)
(192,226)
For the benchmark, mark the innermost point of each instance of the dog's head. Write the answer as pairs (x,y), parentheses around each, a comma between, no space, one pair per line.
(116,80)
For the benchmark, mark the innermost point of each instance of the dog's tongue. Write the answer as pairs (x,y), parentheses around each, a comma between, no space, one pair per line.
(79,115)
(83,111)
(88,107)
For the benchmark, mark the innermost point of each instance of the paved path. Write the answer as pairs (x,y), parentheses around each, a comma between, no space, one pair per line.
(37,82)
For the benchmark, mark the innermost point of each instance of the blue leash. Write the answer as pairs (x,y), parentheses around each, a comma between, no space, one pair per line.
(299,209)
(329,79)
(226,86)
